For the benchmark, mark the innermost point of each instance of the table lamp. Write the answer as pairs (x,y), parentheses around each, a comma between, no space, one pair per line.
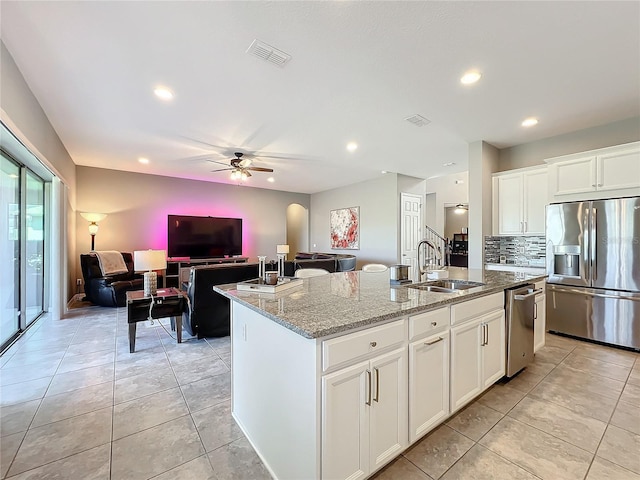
(150,260)
(281,251)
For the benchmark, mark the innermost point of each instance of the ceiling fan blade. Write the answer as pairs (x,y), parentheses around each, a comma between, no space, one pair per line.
(219,163)
(223,169)
(259,169)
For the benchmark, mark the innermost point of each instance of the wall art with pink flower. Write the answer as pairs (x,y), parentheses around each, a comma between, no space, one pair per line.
(345,228)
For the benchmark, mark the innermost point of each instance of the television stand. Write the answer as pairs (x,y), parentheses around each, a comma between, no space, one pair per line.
(178,269)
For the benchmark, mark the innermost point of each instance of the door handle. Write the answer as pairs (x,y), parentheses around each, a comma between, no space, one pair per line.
(368,400)
(377,380)
(594,233)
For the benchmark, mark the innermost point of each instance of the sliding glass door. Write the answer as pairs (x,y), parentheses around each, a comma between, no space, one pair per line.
(9,249)
(22,247)
(34,246)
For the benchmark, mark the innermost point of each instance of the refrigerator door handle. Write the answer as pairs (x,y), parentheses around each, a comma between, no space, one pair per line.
(593,242)
(586,237)
(588,292)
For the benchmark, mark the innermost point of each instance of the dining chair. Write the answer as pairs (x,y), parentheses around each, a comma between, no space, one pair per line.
(374,267)
(310,272)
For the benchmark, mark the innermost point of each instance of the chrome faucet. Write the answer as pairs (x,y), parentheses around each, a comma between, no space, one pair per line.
(425,268)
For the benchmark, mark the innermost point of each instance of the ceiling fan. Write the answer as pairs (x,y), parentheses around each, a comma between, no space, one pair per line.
(241,168)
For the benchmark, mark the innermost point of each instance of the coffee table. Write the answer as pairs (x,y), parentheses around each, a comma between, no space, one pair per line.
(167,302)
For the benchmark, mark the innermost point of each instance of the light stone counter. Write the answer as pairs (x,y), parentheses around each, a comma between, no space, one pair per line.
(344,301)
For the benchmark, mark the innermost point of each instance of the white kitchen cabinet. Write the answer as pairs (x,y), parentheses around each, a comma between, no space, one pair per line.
(519,200)
(493,348)
(364,416)
(477,356)
(428,383)
(602,173)
(540,322)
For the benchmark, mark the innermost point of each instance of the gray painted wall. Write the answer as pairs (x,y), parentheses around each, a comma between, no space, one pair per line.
(379,218)
(137,206)
(534,153)
(22,113)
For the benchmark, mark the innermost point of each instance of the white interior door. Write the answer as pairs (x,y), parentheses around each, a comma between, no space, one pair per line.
(411,214)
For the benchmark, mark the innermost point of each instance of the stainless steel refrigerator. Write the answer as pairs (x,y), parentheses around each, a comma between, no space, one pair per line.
(593,263)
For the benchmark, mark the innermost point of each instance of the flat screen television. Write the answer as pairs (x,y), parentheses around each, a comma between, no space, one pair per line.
(203,237)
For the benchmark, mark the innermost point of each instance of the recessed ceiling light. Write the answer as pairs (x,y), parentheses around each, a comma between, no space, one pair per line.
(271,179)
(143,160)
(448,164)
(472,76)
(163,93)
(384,171)
(530,122)
(352,146)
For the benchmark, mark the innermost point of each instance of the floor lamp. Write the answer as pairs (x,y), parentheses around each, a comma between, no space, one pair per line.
(93,219)
(150,260)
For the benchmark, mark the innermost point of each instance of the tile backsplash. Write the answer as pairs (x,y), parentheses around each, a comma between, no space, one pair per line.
(529,251)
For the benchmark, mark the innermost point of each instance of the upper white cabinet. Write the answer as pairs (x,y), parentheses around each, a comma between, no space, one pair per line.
(519,200)
(607,172)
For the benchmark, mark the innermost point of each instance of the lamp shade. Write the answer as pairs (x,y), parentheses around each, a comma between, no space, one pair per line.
(149,260)
(93,217)
(282,248)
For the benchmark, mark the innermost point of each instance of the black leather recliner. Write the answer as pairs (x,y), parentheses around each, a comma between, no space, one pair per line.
(209,314)
(110,290)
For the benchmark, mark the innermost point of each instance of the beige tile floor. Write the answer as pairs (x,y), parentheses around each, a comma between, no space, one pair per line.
(75,404)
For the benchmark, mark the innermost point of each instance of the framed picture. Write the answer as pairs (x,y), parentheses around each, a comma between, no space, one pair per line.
(345,228)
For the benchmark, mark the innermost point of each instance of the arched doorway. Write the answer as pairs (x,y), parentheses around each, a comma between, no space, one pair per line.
(297,228)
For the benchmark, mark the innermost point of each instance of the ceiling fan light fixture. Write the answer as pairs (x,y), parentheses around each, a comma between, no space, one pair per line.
(460,209)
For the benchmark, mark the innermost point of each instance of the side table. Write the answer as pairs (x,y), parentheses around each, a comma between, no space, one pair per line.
(167,302)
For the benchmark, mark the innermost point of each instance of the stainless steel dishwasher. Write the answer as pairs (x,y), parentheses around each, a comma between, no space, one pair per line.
(520,316)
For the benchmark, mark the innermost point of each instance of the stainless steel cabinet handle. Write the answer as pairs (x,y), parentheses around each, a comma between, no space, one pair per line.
(368,401)
(486,333)
(524,230)
(432,342)
(535,311)
(377,380)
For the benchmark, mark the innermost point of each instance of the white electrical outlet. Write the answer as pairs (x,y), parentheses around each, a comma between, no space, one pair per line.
(78,281)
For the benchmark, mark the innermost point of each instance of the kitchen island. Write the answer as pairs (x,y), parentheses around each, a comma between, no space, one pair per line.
(336,377)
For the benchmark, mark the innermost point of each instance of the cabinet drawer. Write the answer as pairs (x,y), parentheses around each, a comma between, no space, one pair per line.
(462,312)
(428,323)
(341,351)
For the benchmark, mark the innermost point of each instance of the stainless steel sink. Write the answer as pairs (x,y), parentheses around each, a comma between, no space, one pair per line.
(445,286)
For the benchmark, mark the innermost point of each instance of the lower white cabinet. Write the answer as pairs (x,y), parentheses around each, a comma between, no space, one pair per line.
(493,349)
(540,316)
(477,356)
(364,416)
(428,384)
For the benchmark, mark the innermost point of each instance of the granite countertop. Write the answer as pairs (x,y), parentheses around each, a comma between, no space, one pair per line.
(344,301)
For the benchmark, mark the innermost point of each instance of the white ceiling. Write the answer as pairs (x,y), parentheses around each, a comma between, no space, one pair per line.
(358,69)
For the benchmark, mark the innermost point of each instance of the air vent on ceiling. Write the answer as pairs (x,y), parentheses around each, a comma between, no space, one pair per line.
(418,120)
(267,52)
